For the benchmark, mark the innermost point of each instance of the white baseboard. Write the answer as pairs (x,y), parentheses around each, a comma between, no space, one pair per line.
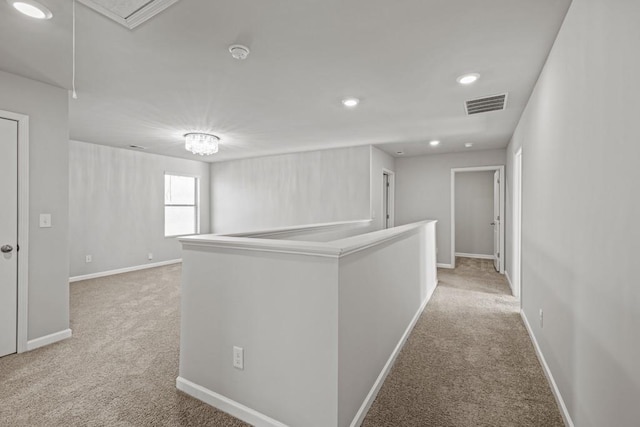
(449,266)
(48,339)
(368,401)
(227,405)
(258,419)
(547,372)
(478,256)
(123,270)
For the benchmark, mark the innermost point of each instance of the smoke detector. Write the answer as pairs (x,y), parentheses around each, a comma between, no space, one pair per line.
(239,51)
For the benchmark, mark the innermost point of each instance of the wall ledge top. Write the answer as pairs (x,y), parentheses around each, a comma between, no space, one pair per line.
(333,249)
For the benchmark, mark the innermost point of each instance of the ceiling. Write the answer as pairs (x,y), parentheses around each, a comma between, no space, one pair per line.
(173,74)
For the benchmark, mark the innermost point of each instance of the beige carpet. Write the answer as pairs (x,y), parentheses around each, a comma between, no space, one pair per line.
(468,362)
(118,369)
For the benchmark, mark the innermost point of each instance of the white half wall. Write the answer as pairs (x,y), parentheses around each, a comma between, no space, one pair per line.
(381,289)
(48,110)
(474,212)
(320,323)
(291,189)
(423,189)
(580,235)
(282,309)
(116,207)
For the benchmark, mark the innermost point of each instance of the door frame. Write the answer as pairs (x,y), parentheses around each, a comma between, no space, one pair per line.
(392,197)
(499,168)
(517,226)
(23,224)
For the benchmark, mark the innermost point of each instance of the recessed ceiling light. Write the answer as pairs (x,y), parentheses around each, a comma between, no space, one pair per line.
(468,145)
(434,143)
(467,79)
(31,8)
(350,102)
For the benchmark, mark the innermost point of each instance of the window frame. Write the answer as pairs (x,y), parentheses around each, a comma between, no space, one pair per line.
(196,205)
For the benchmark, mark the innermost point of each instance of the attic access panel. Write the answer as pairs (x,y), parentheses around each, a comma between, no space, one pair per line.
(129,13)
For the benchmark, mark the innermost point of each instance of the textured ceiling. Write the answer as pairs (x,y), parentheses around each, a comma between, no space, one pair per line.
(174,74)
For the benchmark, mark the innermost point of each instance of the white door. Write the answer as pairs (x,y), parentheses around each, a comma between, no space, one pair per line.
(386,217)
(8,236)
(496,220)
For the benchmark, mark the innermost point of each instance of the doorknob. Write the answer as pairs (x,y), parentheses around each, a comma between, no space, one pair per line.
(493,223)
(6,249)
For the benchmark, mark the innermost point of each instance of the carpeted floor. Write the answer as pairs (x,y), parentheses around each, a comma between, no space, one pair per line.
(118,369)
(468,362)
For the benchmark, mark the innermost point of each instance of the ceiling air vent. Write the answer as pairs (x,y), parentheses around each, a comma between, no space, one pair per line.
(129,13)
(486,104)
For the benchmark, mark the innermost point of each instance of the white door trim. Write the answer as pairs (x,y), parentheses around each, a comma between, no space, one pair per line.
(23,224)
(453,208)
(392,197)
(517,226)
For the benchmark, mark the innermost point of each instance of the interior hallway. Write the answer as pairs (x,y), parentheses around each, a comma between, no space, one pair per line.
(468,362)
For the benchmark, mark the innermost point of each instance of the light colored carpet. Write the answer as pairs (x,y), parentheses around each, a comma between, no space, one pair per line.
(118,369)
(468,362)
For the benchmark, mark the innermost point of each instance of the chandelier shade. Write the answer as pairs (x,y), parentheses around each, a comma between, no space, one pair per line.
(203,144)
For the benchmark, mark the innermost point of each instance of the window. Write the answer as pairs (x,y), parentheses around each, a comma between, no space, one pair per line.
(180,205)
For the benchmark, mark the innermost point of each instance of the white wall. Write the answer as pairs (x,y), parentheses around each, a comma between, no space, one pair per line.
(423,189)
(116,206)
(580,235)
(291,189)
(318,322)
(281,308)
(474,212)
(381,291)
(48,111)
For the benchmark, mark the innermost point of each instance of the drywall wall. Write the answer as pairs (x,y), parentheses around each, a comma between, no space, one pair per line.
(580,237)
(381,292)
(281,308)
(474,212)
(291,189)
(423,189)
(380,162)
(116,206)
(340,310)
(48,111)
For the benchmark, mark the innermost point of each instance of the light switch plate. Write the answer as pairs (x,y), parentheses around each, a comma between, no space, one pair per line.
(238,358)
(45,220)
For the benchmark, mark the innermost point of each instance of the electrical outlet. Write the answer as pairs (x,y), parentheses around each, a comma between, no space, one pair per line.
(150,256)
(238,357)
(541,318)
(88,258)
